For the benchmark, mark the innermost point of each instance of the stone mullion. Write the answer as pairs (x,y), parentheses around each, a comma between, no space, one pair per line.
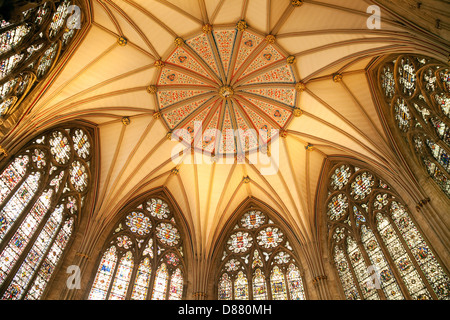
(154,268)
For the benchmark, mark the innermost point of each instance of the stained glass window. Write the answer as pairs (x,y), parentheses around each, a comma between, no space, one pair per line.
(415,94)
(378,251)
(148,242)
(31,46)
(258,263)
(38,208)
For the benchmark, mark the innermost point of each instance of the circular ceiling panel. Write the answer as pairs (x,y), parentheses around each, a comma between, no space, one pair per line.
(226,91)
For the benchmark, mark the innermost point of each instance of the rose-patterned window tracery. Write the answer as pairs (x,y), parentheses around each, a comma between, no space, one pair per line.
(258,262)
(377,249)
(144,258)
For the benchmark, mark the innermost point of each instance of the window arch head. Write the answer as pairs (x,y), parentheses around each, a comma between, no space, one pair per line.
(376,247)
(143,258)
(258,262)
(44,188)
(415,94)
(31,45)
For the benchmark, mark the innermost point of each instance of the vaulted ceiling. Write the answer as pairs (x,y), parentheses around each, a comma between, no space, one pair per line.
(104,81)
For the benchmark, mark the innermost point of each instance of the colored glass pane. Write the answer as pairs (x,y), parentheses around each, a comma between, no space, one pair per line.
(340,177)
(122,277)
(60,147)
(240,242)
(362,186)
(16,288)
(295,283)
(252,219)
(138,223)
(167,234)
(48,266)
(104,275)
(176,285)
(158,208)
(142,280)
(241,287)
(270,237)
(407,76)
(259,286)
(225,288)
(433,271)
(160,286)
(337,207)
(278,284)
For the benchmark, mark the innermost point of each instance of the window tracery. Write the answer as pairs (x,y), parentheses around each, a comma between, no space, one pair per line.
(416,94)
(377,249)
(31,46)
(40,202)
(143,260)
(258,262)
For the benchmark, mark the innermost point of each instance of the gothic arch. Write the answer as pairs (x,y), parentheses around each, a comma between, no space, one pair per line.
(151,230)
(33,45)
(258,260)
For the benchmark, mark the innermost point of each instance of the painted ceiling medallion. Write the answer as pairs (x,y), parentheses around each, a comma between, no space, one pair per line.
(223,91)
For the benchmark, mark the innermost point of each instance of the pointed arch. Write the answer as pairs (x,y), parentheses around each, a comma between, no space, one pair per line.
(45,192)
(33,45)
(374,244)
(414,94)
(149,237)
(257,257)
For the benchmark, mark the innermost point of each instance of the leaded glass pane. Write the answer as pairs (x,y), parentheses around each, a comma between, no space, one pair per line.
(225,288)
(259,286)
(104,275)
(160,286)
(176,285)
(255,247)
(278,284)
(122,277)
(142,280)
(241,287)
